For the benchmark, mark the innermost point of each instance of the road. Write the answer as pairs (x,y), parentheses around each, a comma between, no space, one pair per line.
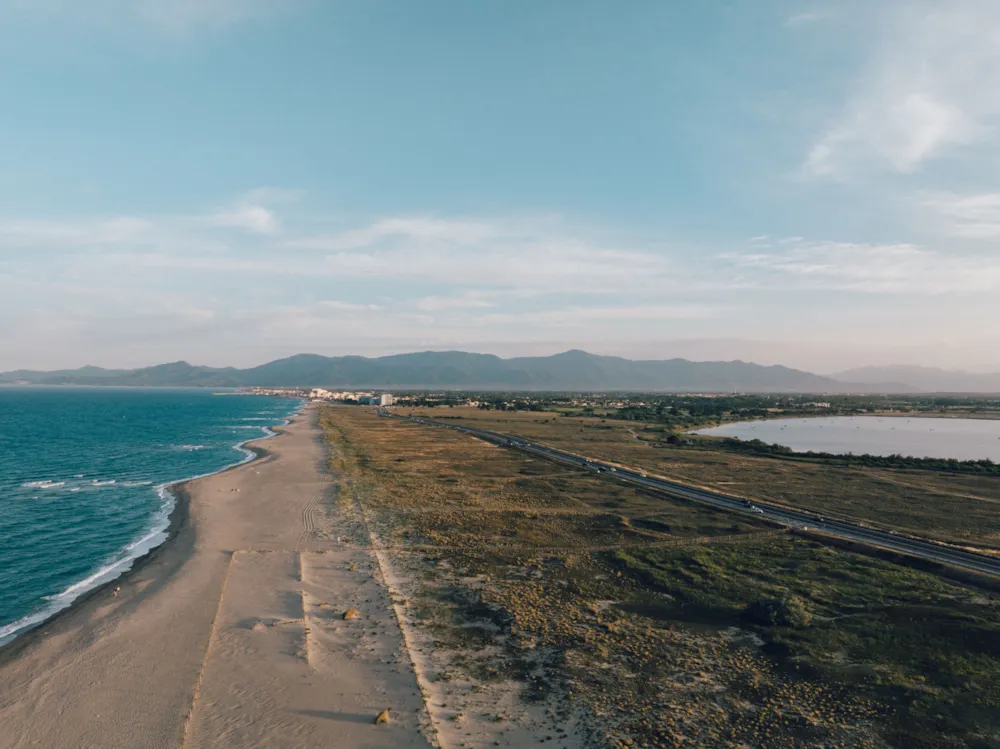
(850,531)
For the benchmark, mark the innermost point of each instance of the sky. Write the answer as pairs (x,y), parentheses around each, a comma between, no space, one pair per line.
(232,181)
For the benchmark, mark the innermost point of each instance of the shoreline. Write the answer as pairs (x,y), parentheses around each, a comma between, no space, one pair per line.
(177,521)
(232,632)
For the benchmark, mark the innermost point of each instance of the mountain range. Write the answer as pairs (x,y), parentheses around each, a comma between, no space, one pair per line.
(571,370)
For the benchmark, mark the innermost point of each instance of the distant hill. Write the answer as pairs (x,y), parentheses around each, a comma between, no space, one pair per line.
(928,379)
(62,376)
(571,370)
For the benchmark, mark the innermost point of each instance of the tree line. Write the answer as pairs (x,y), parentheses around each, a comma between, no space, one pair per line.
(985,467)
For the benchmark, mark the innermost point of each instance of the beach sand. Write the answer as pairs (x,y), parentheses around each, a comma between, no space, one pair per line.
(232,634)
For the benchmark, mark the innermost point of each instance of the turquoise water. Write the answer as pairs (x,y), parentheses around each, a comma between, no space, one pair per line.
(83,475)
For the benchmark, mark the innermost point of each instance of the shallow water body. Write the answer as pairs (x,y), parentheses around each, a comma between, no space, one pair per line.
(82,480)
(962,439)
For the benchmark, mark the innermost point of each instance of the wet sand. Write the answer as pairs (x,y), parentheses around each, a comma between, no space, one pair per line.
(232,633)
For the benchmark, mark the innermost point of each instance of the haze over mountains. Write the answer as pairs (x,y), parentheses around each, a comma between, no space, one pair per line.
(927,379)
(571,370)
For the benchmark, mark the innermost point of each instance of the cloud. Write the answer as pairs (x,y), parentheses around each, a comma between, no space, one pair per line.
(475,299)
(525,254)
(253,218)
(972,216)
(807,18)
(422,229)
(67,234)
(582,318)
(929,89)
(173,236)
(228,287)
(419,328)
(797,263)
(341,306)
(252,211)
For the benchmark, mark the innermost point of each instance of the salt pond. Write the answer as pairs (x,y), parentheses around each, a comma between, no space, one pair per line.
(963,439)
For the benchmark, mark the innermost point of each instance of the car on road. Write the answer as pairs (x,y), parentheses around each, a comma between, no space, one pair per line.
(756,509)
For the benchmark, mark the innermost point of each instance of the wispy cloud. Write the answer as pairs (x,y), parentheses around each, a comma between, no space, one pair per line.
(581,317)
(410,229)
(16,233)
(466,300)
(253,218)
(341,306)
(973,216)
(808,18)
(514,253)
(254,212)
(930,87)
(871,268)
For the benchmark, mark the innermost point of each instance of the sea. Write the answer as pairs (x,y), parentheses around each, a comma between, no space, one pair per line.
(84,477)
(962,439)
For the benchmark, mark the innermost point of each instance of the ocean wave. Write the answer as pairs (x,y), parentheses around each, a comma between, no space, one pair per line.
(191,448)
(113,567)
(157,532)
(44,484)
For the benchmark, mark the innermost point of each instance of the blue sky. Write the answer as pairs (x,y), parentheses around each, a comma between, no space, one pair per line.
(229,181)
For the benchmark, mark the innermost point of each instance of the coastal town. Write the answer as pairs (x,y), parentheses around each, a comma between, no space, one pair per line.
(362,398)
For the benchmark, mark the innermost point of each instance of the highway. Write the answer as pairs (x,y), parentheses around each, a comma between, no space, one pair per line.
(850,531)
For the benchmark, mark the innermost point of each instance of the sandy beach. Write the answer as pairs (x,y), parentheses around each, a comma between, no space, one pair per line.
(232,634)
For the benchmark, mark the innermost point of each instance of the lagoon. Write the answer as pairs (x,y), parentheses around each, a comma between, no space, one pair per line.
(962,439)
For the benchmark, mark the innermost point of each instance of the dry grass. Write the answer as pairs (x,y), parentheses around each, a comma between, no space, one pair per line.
(958,509)
(602,601)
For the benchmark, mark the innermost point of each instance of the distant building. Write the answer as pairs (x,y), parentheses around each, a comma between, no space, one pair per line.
(388,399)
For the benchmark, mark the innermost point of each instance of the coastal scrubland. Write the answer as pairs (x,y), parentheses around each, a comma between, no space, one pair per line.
(619,618)
(954,508)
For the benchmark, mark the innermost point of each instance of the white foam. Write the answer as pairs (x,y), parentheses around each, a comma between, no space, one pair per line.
(112,568)
(122,562)
(98,482)
(44,484)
